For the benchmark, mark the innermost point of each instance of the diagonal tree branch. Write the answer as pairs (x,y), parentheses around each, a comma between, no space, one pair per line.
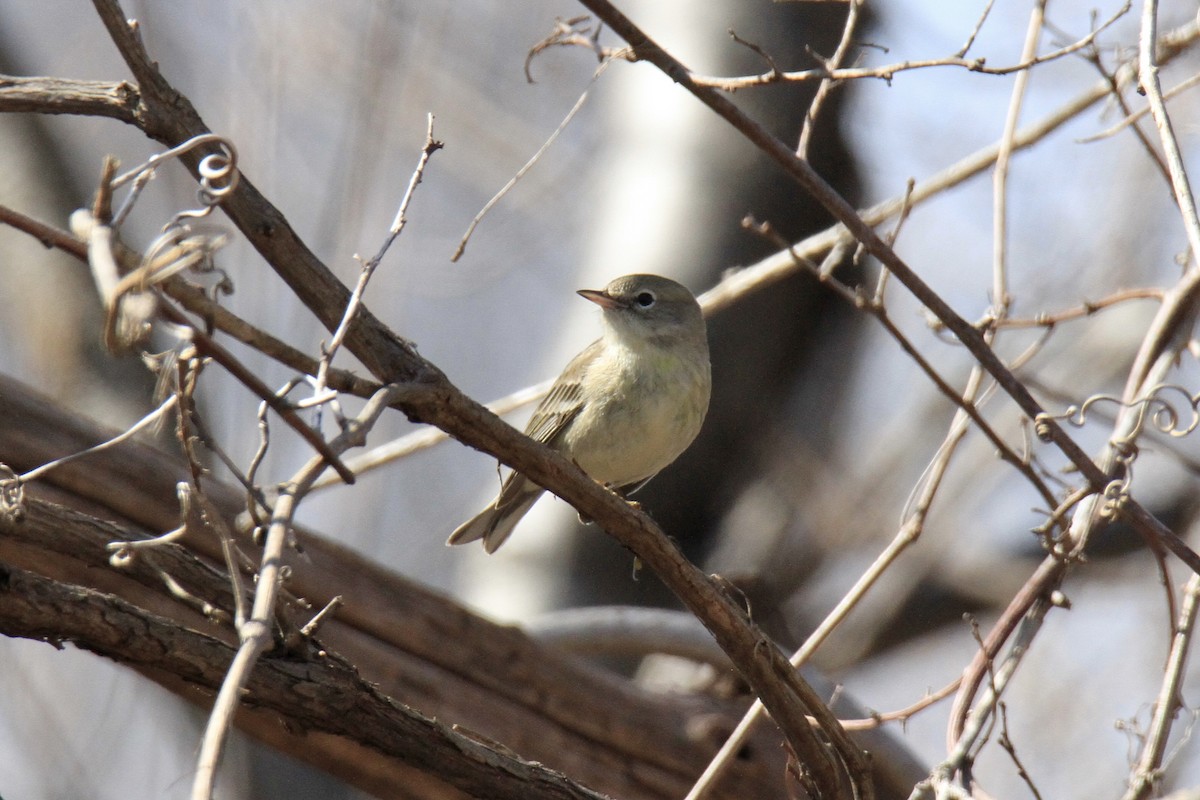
(644,48)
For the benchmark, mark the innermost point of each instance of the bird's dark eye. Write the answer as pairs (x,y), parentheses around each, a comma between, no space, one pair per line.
(645,299)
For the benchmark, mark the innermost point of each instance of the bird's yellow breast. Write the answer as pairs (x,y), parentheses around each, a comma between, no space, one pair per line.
(649,407)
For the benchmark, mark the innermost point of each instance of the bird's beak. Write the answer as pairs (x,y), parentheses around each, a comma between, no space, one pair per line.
(600,298)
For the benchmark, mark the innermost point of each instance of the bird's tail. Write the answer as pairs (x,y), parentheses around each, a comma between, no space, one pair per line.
(496,522)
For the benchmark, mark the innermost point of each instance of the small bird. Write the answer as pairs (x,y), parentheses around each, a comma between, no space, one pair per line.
(622,409)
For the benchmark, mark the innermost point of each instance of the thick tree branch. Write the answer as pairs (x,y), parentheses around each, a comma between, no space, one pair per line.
(320,693)
(422,649)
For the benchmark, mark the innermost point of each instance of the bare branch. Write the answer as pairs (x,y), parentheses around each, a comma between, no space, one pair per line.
(312,693)
(430,147)
(983,15)
(826,86)
(1148,80)
(1146,774)
(1087,309)
(886,73)
(255,633)
(62,96)
(1000,296)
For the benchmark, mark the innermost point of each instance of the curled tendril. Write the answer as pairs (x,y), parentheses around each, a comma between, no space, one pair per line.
(218,177)
(218,174)
(1041,424)
(1165,418)
(122,558)
(125,277)
(1164,415)
(179,247)
(1116,495)
(12,495)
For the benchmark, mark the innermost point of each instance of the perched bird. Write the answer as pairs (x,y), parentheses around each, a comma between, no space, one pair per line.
(625,407)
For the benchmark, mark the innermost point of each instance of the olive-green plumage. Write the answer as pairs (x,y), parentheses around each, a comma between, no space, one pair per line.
(622,409)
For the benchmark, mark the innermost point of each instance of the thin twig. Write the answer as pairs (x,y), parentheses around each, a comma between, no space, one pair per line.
(430,147)
(214,521)
(1118,95)
(210,349)
(987,10)
(255,635)
(1051,319)
(982,714)
(150,419)
(1131,118)
(887,72)
(462,244)
(826,86)
(1009,747)
(321,617)
(573,32)
(902,714)
(1148,80)
(1147,773)
(757,50)
(1000,296)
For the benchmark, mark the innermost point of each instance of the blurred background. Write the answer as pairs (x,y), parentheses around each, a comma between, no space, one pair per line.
(820,427)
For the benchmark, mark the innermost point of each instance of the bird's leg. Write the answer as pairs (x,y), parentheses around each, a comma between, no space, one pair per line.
(621,492)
